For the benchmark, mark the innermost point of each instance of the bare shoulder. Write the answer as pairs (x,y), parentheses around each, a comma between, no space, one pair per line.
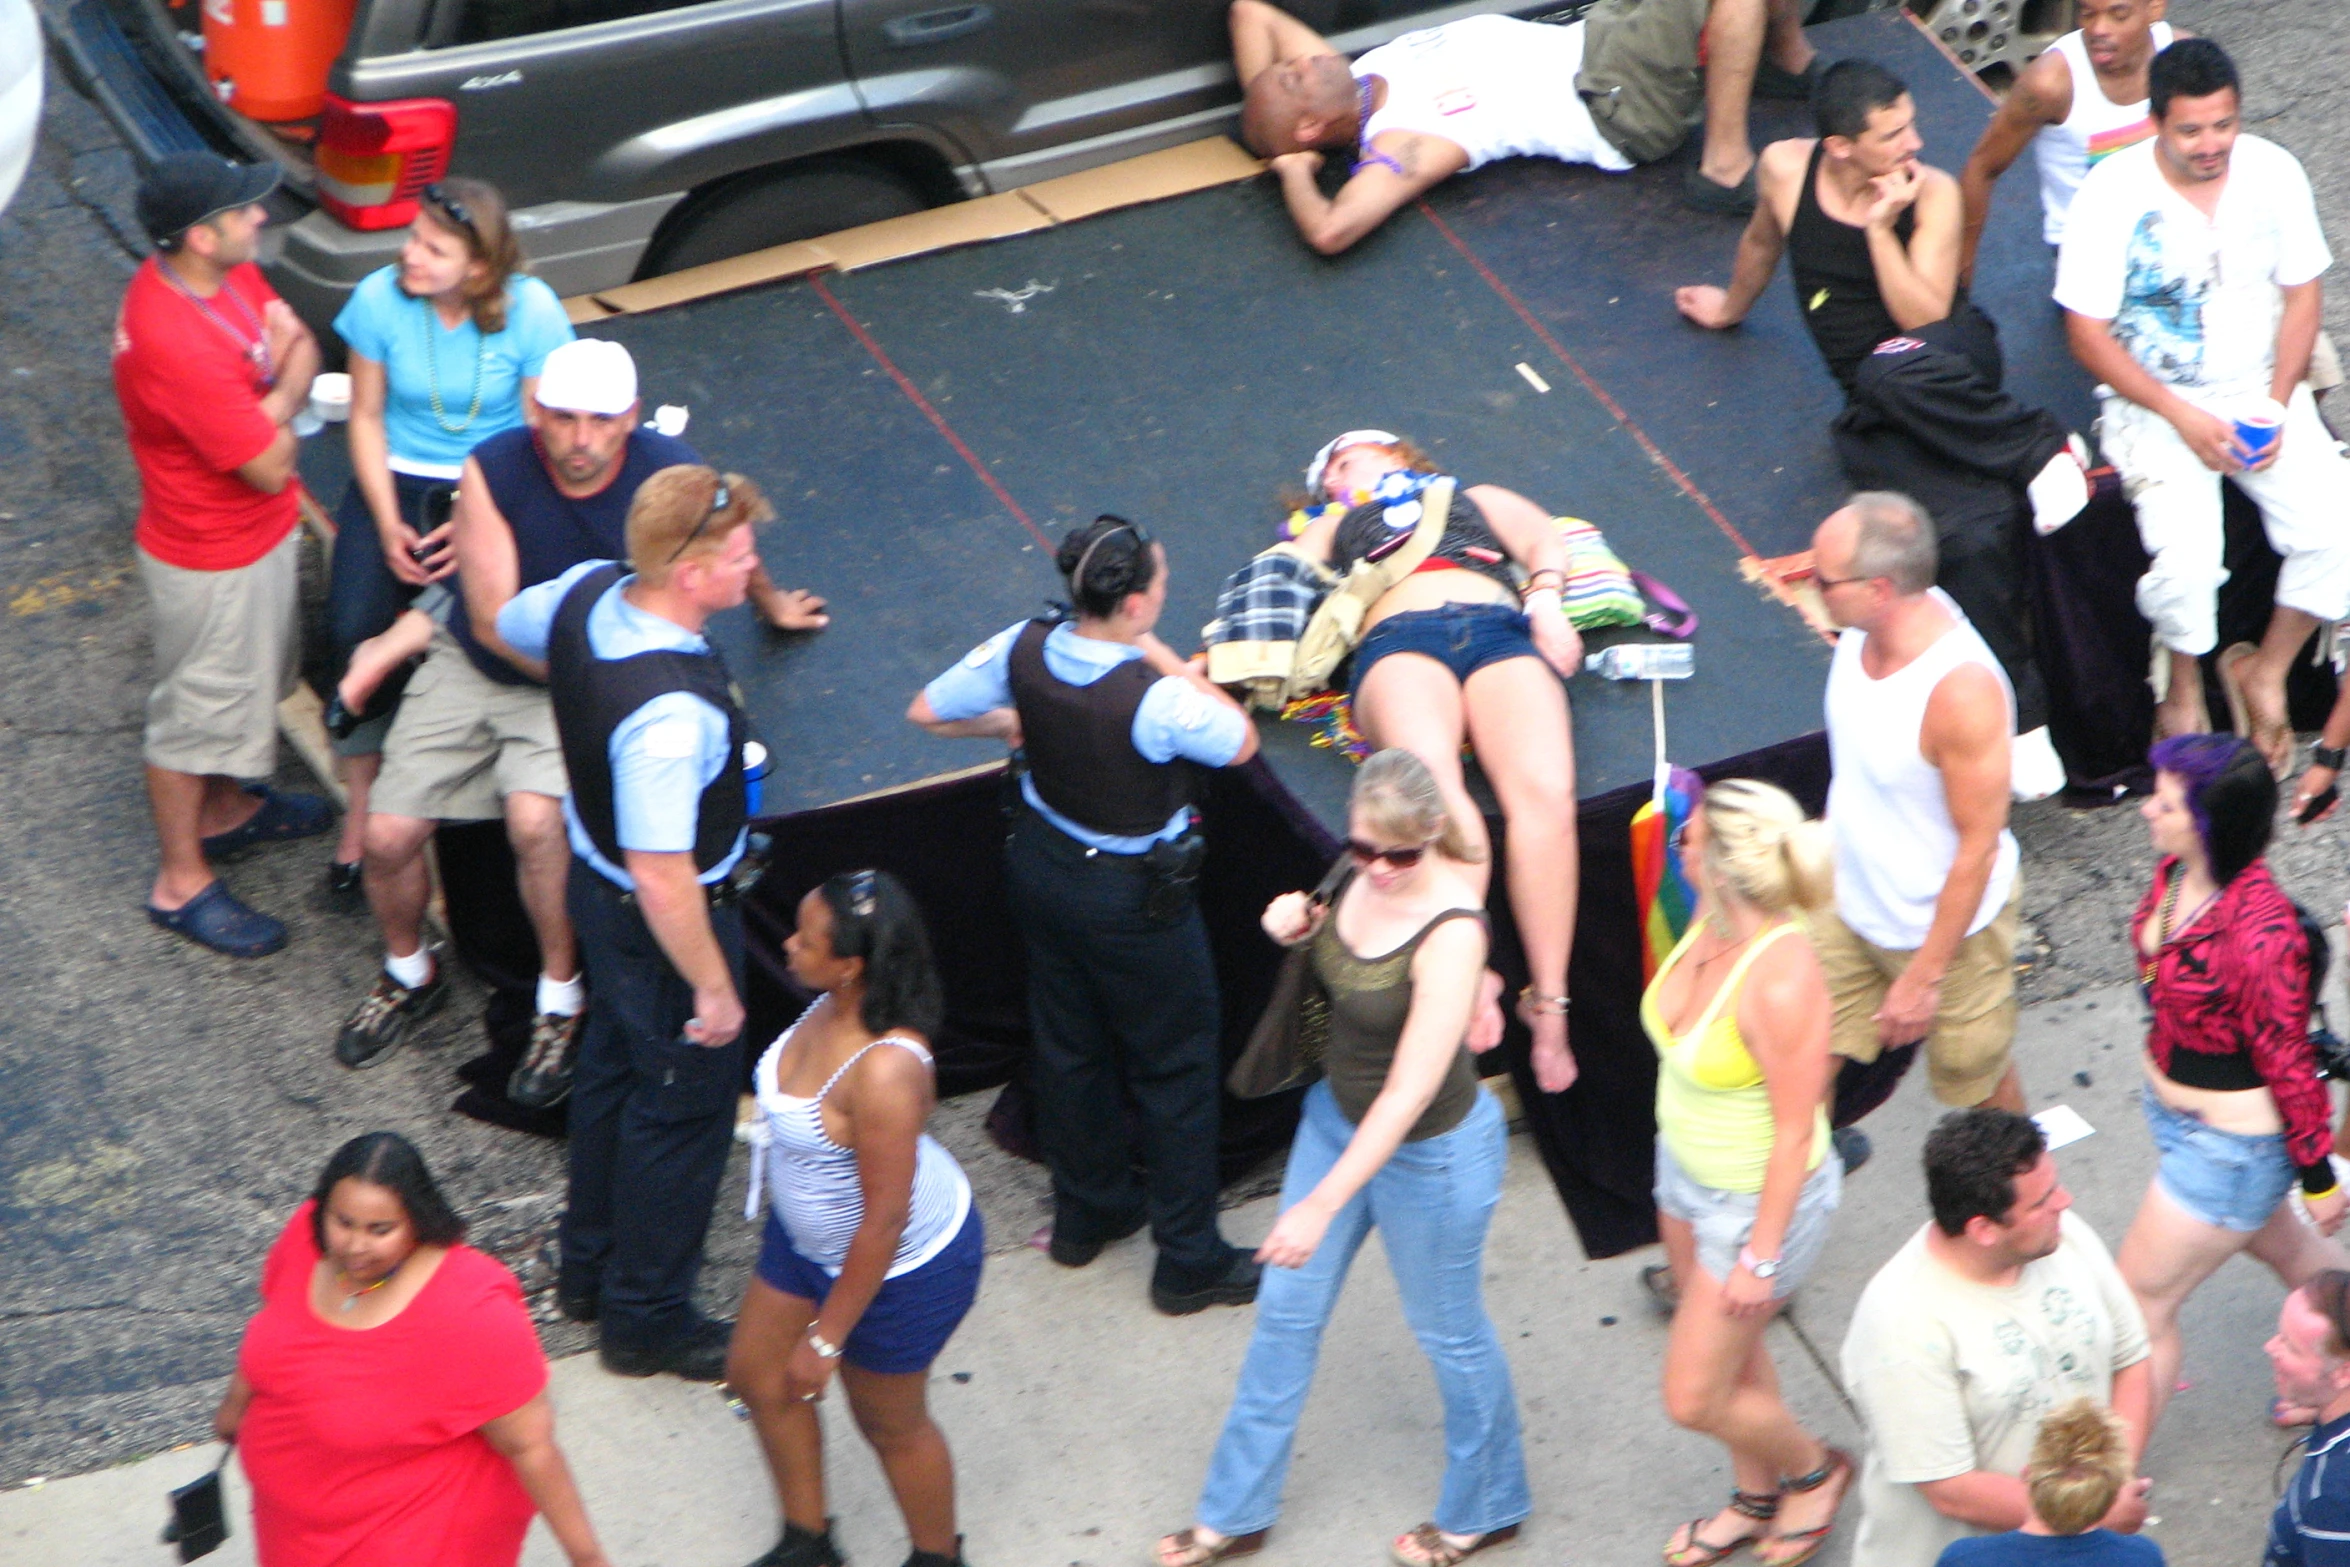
(1968,707)
(1936,184)
(2043,95)
(1785,161)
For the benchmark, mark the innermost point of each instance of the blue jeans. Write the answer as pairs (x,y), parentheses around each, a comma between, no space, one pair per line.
(1432,1203)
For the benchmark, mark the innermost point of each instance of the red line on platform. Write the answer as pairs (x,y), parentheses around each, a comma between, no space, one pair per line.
(938,420)
(1655,452)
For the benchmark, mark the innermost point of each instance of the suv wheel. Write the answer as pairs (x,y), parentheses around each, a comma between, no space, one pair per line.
(775,207)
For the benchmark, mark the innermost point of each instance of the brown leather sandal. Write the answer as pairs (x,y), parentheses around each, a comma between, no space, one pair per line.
(1426,1546)
(1695,1550)
(1189,1550)
(1808,1542)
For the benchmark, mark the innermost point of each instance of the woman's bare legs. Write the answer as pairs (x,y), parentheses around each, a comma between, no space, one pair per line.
(894,1414)
(1517,721)
(766,1331)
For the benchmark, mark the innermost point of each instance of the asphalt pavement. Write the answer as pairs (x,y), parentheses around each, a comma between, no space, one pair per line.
(161,1110)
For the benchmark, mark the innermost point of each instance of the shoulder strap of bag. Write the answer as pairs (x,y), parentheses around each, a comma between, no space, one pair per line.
(1338,621)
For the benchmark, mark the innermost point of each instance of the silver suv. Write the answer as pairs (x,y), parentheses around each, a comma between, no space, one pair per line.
(635,137)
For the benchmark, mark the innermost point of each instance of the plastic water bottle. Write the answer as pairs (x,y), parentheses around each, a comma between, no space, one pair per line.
(1644,661)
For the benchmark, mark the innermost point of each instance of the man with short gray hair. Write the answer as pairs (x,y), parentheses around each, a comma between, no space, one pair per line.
(1920,947)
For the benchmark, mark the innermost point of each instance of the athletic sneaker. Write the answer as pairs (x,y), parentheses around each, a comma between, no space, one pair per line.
(543,1080)
(2060,489)
(380,1022)
(2034,770)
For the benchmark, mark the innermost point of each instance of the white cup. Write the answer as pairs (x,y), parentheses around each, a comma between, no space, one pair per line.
(330,397)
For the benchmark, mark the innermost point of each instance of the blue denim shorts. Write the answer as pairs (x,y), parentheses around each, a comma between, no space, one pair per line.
(915,1314)
(1464,638)
(1722,1222)
(2226,1179)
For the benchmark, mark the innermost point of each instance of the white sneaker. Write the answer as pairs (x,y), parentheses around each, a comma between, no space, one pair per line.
(2034,770)
(2061,489)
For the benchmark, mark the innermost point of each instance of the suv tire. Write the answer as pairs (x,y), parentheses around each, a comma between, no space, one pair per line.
(768,207)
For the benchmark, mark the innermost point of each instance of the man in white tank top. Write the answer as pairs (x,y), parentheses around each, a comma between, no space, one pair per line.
(1617,88)
(1921,944)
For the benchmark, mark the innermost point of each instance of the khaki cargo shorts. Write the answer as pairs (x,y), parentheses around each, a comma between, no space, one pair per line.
(1974,1032)
(1641,76)
(227,646)
(461,742)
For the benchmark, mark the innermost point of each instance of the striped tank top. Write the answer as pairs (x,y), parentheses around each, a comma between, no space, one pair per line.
(813,1180)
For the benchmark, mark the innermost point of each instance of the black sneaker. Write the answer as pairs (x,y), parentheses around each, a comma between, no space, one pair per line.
(696,1355)
(1071,1253)
(543,1080)
(1237,1287)
(346,886)
(1852,1147)
(804,1548)
(380,1023)
(579,1302)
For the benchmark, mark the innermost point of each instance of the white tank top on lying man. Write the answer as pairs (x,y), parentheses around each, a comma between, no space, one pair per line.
(1887,812)
(2095,130)
(813,1179)
(1493,86)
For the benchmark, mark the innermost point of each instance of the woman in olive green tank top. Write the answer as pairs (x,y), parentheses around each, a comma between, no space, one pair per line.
(1746,1181)
(1398,1137)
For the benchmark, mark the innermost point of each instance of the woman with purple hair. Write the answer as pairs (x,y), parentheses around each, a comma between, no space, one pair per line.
(2232,1092)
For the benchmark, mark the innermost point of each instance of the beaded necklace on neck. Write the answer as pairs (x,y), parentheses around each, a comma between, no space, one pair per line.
(432,372)
(255,348)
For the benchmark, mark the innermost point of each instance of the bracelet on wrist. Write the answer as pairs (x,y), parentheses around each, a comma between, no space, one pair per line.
(1544,1006)
(824,1348)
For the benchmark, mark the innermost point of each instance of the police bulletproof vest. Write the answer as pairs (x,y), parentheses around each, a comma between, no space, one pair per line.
(1080,744)
(593,696)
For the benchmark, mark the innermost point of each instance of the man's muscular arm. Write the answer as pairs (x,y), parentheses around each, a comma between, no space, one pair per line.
(1918,280)
(2042,96)
(1966,736)
(1265,35)
(1331,224)
(1778,178)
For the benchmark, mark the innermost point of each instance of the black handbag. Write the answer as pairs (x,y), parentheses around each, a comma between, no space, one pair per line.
(199,1515)
(1285,1049)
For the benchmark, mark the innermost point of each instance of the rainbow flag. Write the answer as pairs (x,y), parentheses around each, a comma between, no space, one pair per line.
(1665,899)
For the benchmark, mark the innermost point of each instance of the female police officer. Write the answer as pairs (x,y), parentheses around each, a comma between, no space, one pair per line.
(1121,990)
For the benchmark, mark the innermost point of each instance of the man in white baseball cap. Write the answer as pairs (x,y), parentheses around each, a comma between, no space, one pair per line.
(475,735)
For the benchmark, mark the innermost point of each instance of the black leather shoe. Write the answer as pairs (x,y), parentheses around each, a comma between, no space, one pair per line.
(934,1559)
(578,1302)
(804,1548)
(1852,1147)
(1076,1253)
(1237,1287)
(696,1355)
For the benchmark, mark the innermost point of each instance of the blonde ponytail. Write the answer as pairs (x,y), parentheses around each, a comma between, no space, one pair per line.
(1761,849)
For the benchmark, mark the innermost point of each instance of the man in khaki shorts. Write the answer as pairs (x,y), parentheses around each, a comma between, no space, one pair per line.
(1620,86)
(210,366)
(1920,946)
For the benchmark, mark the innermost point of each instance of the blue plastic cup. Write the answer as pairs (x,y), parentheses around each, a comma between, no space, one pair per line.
(2257,431)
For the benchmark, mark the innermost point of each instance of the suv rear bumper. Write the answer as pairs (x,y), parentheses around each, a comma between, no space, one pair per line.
(575,246)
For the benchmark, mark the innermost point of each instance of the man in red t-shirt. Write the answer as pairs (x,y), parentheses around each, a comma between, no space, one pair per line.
(211,366)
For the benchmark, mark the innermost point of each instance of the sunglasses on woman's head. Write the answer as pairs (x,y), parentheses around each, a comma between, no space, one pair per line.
(439,197)
(1403,859)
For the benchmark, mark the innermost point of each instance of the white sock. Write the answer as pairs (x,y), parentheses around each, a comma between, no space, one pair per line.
(410,971)
(563,997)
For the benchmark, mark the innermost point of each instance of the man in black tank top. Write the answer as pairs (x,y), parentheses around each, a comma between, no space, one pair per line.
(1872,237)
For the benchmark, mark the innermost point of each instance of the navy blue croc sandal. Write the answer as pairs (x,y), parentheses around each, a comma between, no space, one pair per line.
(281,817)
(214,918)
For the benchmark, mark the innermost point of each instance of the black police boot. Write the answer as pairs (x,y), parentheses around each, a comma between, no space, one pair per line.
(804,1548)
(933,1559)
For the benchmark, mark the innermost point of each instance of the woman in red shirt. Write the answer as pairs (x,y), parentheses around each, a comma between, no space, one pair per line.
(2232,1093)
(390,1399)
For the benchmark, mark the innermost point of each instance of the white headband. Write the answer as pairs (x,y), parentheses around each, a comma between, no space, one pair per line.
(1321,462)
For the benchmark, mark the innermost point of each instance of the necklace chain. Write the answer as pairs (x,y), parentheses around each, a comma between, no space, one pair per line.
(432,372)
(255,348)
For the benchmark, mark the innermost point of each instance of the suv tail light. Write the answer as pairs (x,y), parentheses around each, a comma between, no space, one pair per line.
(374,159)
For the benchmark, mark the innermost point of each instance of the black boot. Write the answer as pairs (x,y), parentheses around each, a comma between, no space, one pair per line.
(933,1559)
(804,1548)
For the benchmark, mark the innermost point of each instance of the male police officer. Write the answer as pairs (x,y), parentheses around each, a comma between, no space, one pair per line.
(653,739)
(1121,989)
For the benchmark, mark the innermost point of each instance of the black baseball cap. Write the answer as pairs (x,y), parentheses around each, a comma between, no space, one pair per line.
(182,189)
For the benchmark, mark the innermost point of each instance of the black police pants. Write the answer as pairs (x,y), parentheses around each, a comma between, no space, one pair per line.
(1930,419)
(652,1120)
(1120,1005)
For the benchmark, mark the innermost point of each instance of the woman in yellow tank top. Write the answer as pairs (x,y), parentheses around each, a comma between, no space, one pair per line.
(1745,1178)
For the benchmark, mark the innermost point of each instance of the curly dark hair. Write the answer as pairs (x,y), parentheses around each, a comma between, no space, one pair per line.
(1972,1160)
(388,1160)
(875,918)
(1114,558)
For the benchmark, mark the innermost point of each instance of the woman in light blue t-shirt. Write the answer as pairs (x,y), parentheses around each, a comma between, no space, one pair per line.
(446,345)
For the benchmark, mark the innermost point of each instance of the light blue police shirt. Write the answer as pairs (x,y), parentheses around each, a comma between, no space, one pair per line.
(1176,718)
(664,754)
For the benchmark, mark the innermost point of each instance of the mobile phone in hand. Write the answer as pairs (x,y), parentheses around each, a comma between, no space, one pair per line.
(2318,805)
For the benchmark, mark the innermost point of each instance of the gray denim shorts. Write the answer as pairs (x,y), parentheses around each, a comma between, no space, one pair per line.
(1723,1221)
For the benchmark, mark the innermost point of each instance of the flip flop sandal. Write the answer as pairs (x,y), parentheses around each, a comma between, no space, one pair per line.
(1734,201)
(1662,1289)
(214,918)
(281,817)
(2231,685)
(1192,1551)
(1426,1546)
(1811,1541)
(1761,1506)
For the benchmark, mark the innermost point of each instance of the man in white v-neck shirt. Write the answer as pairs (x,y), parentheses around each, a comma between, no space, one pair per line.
(2191,283)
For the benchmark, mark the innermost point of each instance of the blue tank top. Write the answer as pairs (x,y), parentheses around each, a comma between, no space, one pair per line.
(554,532)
